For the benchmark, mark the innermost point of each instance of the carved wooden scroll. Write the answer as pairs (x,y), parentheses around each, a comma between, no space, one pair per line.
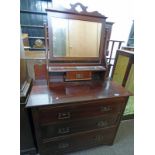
(73,10)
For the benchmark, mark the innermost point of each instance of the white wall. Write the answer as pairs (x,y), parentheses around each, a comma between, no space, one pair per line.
(118,11)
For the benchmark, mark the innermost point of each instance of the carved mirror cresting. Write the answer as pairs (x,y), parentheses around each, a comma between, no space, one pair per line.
(76,36)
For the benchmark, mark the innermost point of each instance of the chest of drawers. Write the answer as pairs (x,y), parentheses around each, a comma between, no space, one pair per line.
(66,119)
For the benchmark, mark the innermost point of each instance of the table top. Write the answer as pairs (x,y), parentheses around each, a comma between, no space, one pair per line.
(73,92)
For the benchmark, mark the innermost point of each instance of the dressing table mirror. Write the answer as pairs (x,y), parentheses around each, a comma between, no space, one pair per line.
(76,41)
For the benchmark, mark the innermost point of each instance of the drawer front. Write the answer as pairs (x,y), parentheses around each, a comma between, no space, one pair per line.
(77,111)
(71,127)
(78,75)
(80,141)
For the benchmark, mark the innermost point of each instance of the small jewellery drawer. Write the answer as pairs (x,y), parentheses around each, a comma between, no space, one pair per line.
(78,75)
(80,110)
(79,141)
(71,127)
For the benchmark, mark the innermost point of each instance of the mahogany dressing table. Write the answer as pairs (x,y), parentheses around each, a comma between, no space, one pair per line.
(78,108)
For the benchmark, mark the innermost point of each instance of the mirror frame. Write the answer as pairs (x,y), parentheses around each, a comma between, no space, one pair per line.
(83,16)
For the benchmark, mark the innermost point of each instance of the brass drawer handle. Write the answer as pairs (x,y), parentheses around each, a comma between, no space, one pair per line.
(64,115)
(63,130)
(105,109)
(102,123)
(63,145)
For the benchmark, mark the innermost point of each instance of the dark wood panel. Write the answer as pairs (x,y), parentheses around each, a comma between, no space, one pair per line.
(70,127)
(79,141)
(75,92)
(27,143)
(74,112)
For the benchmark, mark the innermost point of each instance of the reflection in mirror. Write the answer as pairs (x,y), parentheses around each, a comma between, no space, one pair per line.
(75,38)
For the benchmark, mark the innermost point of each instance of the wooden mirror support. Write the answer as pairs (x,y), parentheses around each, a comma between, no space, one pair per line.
(78,65)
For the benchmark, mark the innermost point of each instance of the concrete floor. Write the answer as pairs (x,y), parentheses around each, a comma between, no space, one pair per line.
(123,145)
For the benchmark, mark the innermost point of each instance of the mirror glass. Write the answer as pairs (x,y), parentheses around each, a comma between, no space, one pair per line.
(75,38)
